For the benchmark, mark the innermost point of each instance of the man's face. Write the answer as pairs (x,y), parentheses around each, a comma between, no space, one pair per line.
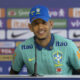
(41,29)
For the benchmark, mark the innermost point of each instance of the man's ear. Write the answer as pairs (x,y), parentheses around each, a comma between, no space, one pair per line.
(30,27)
(51,24)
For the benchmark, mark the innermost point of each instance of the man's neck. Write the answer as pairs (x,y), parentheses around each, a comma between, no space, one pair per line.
(44,42)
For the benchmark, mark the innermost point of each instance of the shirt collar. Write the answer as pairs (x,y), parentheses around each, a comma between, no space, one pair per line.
(50,45)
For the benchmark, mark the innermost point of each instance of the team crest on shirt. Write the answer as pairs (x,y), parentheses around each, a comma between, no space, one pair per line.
(57,56)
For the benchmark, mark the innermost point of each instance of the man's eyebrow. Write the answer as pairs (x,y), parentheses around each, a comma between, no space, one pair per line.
(38,21)
(34,22)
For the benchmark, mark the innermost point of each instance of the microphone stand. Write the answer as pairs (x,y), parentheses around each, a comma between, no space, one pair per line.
(35,65)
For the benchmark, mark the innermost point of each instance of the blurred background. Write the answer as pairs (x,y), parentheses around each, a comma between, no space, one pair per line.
(14,19)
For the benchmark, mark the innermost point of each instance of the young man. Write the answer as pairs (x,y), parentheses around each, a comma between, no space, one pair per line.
(45,53)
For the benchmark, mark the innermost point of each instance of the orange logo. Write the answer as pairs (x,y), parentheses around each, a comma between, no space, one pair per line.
(78,54)
(74,12)
(17,23)
(2,12)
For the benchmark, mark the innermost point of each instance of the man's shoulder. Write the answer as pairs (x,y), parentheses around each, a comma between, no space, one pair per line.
(61,39)
(27,42)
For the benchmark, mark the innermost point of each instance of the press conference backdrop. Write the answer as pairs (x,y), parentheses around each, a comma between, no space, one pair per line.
(14,19)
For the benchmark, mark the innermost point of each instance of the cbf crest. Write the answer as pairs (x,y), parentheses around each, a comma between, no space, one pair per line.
(57,57)
(38,11)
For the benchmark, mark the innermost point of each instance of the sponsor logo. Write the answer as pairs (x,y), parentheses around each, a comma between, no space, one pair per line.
(26,46)
(2,34)
(2,12)
(74,12)
(6,44)
(19,34)
(58,70)
(61,43)
(17,23)
(31,59)
(60,32)
(59,23)
(74,34)
(12,13)
(19,12)
(6,57)
(78,55)
(6,51)
(57,12)
(57,56)
(74,23)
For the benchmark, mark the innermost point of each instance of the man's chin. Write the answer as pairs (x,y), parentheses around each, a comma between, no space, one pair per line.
(40,38)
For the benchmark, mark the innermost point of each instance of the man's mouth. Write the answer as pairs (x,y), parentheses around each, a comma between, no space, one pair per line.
(41,32)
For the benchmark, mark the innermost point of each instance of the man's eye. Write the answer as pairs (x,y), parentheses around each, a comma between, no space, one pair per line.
(36,23)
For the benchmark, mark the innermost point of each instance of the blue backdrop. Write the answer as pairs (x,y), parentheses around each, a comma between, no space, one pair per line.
(65,11)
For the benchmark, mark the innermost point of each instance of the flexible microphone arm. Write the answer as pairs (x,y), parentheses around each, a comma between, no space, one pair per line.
(35,65)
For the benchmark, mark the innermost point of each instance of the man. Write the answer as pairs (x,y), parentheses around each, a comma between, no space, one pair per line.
(45,53)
